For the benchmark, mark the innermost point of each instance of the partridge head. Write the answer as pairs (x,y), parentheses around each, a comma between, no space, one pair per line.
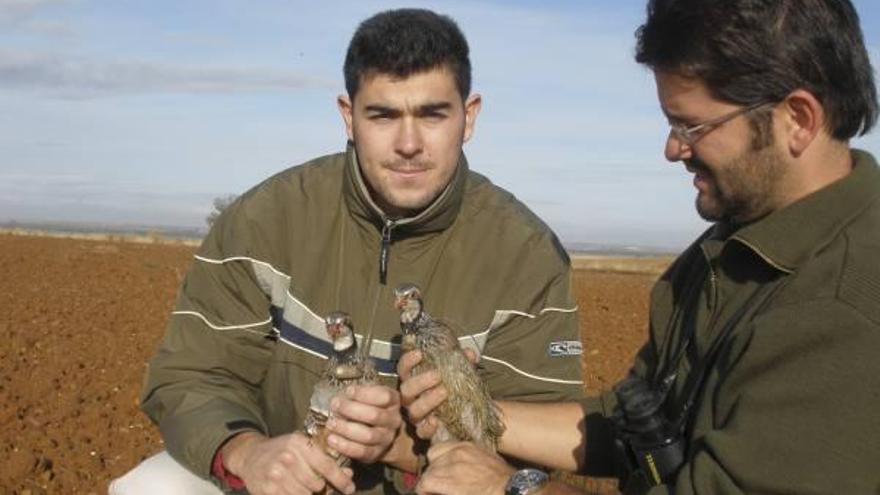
(408,300)
(338,325)
(345,351)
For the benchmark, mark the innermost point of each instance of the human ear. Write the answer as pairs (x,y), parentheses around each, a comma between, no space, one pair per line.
(804,119)
(471,109)
(344,104)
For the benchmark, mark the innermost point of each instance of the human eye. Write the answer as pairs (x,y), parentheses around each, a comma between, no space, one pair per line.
(677,127)
(378,116)
(381,113)
(677,122)
(681,132)
(434,113)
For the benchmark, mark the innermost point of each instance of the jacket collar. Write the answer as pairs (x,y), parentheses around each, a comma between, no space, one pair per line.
(787,237)
(439,215)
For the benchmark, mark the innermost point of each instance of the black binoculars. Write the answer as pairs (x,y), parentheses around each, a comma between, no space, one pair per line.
(650,442)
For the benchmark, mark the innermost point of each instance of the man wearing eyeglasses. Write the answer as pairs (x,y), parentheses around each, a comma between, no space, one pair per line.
(760,374)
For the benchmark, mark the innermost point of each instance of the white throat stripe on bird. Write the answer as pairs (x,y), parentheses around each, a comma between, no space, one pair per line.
(343,343)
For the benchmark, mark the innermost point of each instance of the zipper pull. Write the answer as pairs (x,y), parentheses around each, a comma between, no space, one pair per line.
(383,252)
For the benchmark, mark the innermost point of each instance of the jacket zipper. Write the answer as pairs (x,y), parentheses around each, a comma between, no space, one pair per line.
(388,224)
(383,251)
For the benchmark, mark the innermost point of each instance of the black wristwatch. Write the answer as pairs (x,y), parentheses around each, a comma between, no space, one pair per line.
(526,481)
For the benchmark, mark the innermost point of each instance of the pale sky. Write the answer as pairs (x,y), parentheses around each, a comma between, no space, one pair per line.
(142,112)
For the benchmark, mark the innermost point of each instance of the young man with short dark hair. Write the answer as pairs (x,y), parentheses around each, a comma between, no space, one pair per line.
(230,385)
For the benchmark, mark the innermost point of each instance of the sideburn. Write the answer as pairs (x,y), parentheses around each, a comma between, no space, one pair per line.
(761,124)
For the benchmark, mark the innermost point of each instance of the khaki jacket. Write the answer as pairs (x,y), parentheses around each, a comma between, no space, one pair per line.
(790,403)
(246,341)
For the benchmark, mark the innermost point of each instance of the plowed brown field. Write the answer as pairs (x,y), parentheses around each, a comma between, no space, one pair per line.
(79,319)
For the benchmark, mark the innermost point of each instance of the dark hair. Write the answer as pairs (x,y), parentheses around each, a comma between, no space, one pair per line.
(403,42)
(751,51)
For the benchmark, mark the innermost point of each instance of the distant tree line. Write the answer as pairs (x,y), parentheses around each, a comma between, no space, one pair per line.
(220,204)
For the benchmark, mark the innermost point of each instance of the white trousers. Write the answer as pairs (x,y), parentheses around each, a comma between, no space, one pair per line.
(161,474)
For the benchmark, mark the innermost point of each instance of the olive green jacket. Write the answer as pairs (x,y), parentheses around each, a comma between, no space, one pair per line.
(246,341)
(792,402)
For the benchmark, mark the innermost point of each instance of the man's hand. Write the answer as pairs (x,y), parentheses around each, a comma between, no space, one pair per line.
(288,464)
(463,468)
(420,394)
(364,422)
(423,393)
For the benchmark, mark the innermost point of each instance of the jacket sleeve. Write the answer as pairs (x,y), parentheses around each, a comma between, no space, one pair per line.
(533,351)
(796,411)
(201,386)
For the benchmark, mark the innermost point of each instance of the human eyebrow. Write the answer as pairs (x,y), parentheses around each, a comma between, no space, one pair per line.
(381,111)
(672,118)
(433,109)
(684,122)
(680,119)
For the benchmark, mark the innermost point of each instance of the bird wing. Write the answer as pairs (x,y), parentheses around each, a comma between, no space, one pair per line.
(468,412)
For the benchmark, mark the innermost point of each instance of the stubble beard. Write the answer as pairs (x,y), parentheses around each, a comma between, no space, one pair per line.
(743,190)
(395,201)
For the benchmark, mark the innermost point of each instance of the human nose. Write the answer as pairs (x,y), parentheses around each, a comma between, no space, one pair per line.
(408,141)
(676,149)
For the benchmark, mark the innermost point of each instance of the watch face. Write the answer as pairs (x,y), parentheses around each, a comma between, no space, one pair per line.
(526,481)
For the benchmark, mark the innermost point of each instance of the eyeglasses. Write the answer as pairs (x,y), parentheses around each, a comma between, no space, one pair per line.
(690,134)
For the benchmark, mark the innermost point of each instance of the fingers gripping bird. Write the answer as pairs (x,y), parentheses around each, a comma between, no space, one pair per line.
(345,366)
(468,412)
